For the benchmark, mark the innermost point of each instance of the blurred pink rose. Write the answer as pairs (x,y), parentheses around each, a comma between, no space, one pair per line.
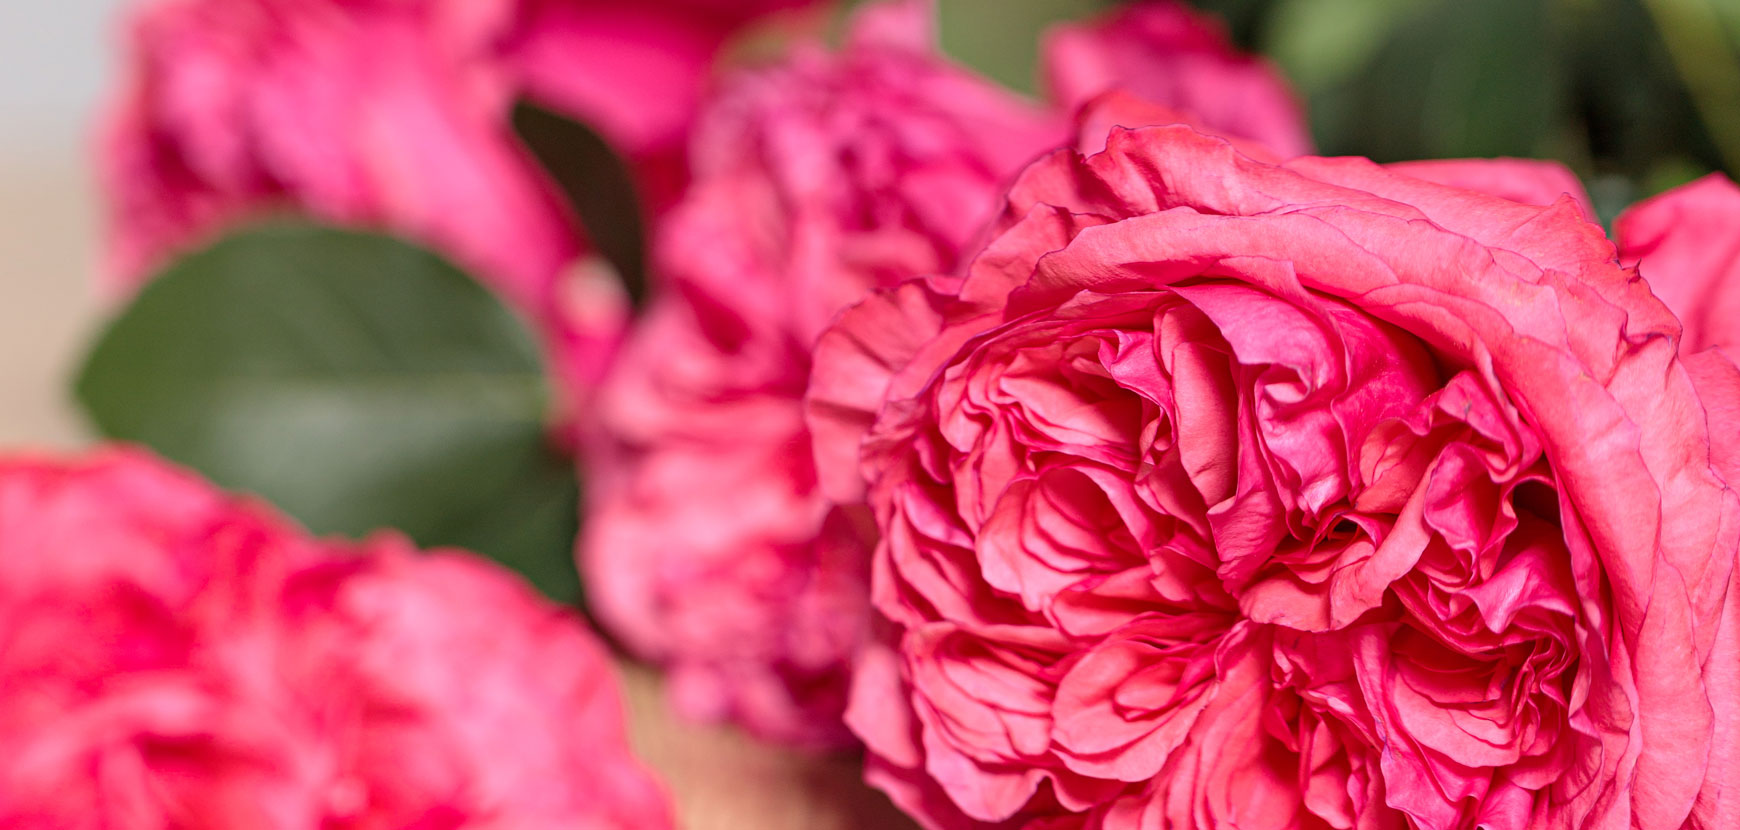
(1686,243)
(709,547)
(173,657)
(394,114)
(1216,493)
(1165,53)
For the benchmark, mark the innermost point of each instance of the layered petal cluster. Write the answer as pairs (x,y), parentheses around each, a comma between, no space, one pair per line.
(1216,493)
(173,657)
(816,180)
(394,114)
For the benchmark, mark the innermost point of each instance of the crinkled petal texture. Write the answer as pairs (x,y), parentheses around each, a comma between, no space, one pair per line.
(1166,53)
(1222,494)
(1686,243)
(395,115)
(709,547)
(172,657)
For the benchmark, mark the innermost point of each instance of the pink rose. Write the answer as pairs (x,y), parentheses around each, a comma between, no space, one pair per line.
(174,657)
(709,547)
(394,114)
(1215,493)
(1163,52)
(1686,243)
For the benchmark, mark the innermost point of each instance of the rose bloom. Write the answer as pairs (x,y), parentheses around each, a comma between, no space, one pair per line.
(171,656)
(394,114)
(709,547)
(1217,493)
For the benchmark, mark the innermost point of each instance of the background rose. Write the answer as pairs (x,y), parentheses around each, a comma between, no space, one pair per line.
(171,656)
(817,179)
(1686,243)
(1165,53)
(1225,494)
(394,114)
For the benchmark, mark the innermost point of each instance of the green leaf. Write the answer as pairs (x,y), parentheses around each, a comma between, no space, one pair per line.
(597,184)
(1705,50)
(1000,38)
(1244,19)
(355,381)
(1325,42)
(1425,78)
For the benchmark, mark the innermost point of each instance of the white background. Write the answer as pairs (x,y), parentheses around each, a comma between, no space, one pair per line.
(55,65)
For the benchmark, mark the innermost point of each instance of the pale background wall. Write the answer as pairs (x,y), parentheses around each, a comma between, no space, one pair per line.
(53,62)
(54,59)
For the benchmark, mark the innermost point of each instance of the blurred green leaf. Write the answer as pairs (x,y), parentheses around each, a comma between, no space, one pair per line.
(1610,195)
(1325,42)
(1669,173)
(1244,19)
(1630,109)
(355,381)
(596,183)
(1706,54)
(1424,78)
(1000,38)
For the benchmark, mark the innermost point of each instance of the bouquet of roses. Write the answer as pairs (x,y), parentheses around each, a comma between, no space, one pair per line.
(1003,398)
